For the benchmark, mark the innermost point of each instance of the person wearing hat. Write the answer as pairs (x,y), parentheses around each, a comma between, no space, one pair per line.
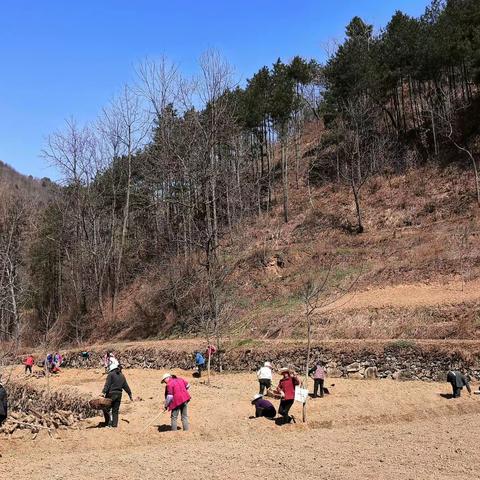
(114,386)
(264,376)
(263,408)
(3,404)
(286,388)
(109,361)
(176,399)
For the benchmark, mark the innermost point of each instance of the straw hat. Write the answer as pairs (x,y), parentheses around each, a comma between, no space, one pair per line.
(256,397)
(165,376)
(284,370)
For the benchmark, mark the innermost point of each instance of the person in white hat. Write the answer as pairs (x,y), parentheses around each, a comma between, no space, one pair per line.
(114,385)
(264,376)
(177,397)
(263,408)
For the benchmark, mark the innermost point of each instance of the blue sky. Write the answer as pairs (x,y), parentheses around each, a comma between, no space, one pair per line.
(61,58)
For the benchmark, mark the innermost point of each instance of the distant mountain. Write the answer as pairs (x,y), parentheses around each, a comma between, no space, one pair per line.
(31,187)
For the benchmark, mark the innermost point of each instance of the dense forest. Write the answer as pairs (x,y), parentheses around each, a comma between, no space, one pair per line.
(172,165)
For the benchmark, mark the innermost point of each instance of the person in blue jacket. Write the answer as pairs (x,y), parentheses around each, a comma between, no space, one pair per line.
(199,362)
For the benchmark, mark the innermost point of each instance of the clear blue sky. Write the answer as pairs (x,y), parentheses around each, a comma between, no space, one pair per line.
(68,57)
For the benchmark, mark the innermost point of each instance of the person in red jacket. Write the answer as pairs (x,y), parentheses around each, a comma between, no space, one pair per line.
(29,362)
(286,388)
(176,399)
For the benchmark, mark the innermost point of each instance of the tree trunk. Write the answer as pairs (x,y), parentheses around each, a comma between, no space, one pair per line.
(284,179)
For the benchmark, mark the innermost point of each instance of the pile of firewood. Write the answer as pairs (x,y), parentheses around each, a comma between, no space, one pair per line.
(36,409)
(35,422)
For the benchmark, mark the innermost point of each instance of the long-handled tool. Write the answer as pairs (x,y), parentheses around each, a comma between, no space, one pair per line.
(151,422)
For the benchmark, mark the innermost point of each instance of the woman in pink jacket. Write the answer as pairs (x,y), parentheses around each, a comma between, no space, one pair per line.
(176,399)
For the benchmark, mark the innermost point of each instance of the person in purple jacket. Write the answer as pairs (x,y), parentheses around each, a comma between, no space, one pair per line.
(263,408)
(318,373)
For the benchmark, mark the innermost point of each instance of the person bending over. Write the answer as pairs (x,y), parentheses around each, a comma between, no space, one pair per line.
(264,376)
(176,399)
(458,380)
(263,408)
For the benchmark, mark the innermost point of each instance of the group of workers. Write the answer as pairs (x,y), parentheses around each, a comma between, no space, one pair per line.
(285,390)
(52,363)
(177,395)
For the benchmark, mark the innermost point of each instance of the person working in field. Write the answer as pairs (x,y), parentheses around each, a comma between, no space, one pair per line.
(458,380)
(199,363)
(318,374)
(109,361)
(29,362)
(264,376)
(3,404)
(286,388)
(263,408)
(114,386)
(176,399)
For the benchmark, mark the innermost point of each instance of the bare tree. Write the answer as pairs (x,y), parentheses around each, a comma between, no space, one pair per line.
(450,106)
(130,129)
(363,150)
(319,294)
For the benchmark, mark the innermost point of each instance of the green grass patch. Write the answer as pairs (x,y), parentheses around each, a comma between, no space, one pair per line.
(246,342)
(402,344)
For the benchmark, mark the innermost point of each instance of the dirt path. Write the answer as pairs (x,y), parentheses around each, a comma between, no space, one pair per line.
(413,295)
(368,430)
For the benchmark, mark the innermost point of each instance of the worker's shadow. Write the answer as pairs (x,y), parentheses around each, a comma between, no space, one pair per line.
(165,428)
(448,396)
(99,425)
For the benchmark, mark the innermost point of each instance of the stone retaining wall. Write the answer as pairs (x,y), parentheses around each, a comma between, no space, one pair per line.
(392,361)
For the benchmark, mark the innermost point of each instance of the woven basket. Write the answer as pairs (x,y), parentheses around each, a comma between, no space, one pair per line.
(100,403)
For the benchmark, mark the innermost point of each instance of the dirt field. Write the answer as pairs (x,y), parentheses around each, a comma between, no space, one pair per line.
(412,295)
(364,430)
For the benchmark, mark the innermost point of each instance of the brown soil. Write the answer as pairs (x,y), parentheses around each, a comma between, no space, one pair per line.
(364,429)
(413,295)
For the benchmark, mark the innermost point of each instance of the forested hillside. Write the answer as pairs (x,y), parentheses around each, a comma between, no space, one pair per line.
(198,205)
(21,198)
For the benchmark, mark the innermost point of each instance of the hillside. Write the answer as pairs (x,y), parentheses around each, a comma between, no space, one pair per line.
(416,265)
(212,206)
(27,186)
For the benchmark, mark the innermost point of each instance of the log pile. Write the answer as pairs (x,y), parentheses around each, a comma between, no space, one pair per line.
(34,409)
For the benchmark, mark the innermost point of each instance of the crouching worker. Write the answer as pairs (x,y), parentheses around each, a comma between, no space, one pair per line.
(176,399)
(286,388)
(458,380)
(114,385)
(263,408)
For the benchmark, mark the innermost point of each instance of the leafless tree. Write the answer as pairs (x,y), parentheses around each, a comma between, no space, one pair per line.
(450,106)
(320,294)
